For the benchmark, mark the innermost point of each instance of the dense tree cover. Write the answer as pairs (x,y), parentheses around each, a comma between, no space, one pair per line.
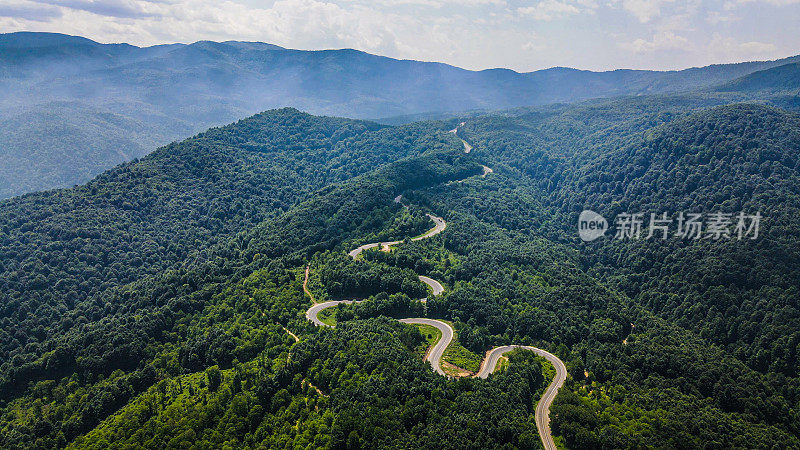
(61,249)
(150,318)
(386,396)
(725,342)
(323,393)
(61,144)
(668,344)
(734,293)
(391,305)
(125,327)
(342,276)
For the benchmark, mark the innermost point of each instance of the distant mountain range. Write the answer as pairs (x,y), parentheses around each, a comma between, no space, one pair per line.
(73,107)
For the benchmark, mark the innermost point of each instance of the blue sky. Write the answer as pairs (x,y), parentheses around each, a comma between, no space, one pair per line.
(475,34)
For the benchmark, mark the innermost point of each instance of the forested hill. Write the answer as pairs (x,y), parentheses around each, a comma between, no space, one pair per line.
(73,107)
(158,316)
(62,248)
(98,325)
(729,159)
(705,320)
(779,85)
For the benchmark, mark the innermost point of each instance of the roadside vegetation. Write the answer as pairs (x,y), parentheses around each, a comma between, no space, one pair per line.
(431,335)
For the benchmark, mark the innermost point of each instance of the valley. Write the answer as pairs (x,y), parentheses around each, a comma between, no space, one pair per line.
(151,305)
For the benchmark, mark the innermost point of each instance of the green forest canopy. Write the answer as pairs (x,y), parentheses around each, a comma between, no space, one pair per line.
(148,306)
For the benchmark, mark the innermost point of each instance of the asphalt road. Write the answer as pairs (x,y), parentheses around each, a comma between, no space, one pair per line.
(543,407)
(434,355)
(313,312)
(435,285)
(437,351)
(467,147)
(488,365)
(354,253)
(438,226)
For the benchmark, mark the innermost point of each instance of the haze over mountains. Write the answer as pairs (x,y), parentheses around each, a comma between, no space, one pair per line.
(73,107)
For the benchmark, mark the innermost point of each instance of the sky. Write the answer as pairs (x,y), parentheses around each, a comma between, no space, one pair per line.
(474,34)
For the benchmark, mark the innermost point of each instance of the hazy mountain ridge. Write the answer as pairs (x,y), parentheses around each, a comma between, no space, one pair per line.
(781,78)
(171,91)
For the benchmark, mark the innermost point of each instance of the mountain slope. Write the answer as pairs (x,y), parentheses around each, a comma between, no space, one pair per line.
(785,77)
(123,331)
(143,217)
(89,141)
(697,331)
(166,92)
(730,159)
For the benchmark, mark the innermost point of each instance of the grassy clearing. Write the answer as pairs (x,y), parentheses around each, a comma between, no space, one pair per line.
(459,356)
(328,316)
(431,335)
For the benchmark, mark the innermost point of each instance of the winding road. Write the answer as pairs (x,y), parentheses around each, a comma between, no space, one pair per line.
(313,312)
(435,353)
(467,147)
(439,226)
(543,407)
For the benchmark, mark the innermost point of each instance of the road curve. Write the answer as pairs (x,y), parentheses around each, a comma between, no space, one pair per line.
(434,355)
(543,407)
(313,312)
(467,147)
(438,226)
(357,251)
(435,285)
(437,351)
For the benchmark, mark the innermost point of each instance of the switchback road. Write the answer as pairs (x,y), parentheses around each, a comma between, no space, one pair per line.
(435,354)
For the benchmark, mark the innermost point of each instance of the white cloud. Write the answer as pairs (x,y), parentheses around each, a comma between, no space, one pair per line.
(716,17)
(728,48)
(757,48)
(665,40)
(733,4)
(534,45)
(644,10)
(549,9)
(26,10)
(110,8)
